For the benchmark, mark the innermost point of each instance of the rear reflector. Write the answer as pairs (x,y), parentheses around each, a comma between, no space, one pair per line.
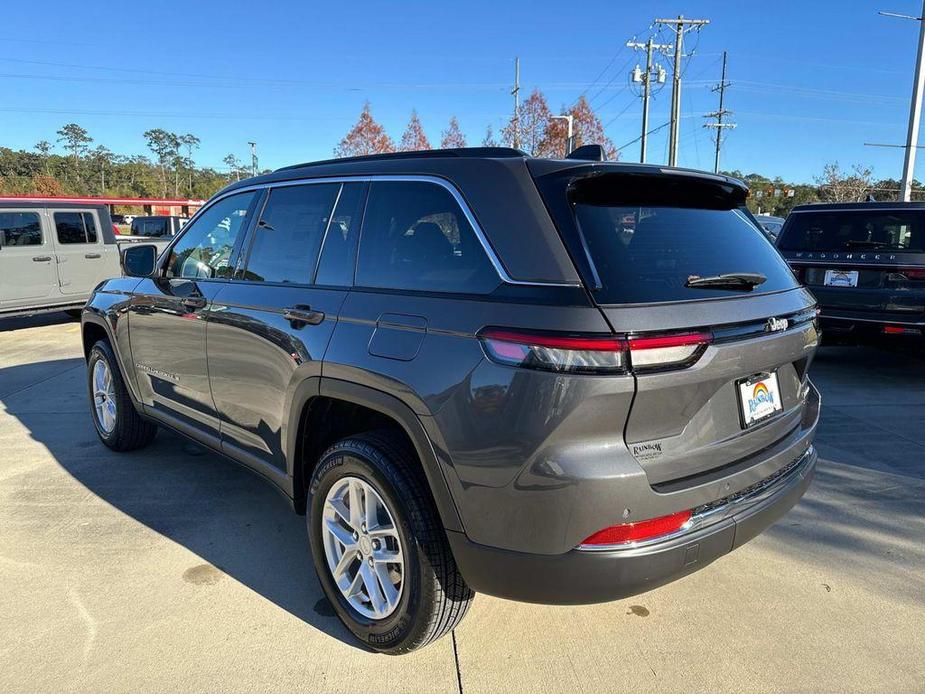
(900,330)
(642,530)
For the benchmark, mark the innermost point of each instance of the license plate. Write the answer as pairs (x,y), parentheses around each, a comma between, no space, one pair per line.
(759,398)
(841,278)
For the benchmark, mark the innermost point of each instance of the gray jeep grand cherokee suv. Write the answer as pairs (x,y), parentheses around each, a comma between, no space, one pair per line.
(554,381)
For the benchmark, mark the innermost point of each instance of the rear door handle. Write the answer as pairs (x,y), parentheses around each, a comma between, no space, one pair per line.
(302,314)
(41,259)
(92,256)
(194,302)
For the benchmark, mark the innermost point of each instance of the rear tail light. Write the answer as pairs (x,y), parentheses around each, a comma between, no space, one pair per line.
(665,351)
(642,530)
(592,353)
(548,352)
(900,330)
(913,273)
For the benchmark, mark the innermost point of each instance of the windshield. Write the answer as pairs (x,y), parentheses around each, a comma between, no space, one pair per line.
(843,230)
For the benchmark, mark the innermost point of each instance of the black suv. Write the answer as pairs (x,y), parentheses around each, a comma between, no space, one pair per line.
(864,262)
(554,381)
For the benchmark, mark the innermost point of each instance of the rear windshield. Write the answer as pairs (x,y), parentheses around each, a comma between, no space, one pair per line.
(887,230)
(648,237)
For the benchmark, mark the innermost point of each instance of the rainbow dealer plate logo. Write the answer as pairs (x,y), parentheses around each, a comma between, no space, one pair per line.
(762,398)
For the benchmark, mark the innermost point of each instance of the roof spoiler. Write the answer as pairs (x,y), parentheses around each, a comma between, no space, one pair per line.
(588,153)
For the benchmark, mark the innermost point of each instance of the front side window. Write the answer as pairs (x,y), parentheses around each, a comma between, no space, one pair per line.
(289,233)
(75,227)
(20,229)
(415,236)
(206,247)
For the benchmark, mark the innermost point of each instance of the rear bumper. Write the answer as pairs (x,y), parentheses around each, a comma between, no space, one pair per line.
(839,320)
(582,576)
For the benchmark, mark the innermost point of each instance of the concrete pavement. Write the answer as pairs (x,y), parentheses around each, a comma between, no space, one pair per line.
(173,570)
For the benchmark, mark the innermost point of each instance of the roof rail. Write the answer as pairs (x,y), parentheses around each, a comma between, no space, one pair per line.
(475,152)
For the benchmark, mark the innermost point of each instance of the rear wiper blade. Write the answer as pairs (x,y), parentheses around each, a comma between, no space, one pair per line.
(729,280)
(865,244)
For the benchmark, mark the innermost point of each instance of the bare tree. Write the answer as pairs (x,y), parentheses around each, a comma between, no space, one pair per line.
(489,139)
(366,137)
(838,186)
(587,130)
(533,117)
(414,139)
(452,137)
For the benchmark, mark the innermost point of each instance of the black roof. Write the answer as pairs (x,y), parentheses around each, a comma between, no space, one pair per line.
(446,161)
(847,206)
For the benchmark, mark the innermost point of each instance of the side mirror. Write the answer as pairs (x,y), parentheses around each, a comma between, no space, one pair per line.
(139,260)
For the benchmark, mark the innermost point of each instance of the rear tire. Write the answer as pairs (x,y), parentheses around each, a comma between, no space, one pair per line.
(432,595)
(115,418)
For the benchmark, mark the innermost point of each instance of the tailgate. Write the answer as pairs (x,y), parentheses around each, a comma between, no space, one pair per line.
(685,422)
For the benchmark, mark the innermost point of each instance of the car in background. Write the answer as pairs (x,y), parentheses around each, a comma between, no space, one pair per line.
(864,262)
(157,226)
(772,225)
(52,255)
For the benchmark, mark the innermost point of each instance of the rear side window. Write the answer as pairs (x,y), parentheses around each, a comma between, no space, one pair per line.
(855,230)
(415,236)
(20,229)
(289,233)
(338,254)
(148,226)
(648,236)
(75,227)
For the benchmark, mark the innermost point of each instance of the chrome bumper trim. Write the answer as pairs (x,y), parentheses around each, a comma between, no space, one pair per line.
(709,514)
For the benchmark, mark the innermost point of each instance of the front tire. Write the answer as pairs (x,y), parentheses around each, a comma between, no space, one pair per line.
(117,423)
(379,548)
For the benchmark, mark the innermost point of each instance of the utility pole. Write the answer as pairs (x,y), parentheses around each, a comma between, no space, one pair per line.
(718,115)
(515,92)
(915,110)
(569,138)
(646,79)
(680,26)
(253,158)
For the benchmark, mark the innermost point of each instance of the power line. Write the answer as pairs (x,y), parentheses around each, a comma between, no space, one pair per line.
(719,114)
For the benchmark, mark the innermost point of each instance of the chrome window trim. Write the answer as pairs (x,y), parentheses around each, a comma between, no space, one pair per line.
(371,178)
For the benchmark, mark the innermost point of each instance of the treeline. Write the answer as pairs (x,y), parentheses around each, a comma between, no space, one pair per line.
(777,197)
(85,169)
(535,129)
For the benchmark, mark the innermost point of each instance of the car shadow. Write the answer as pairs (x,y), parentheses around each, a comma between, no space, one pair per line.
(35,321)
(218,510)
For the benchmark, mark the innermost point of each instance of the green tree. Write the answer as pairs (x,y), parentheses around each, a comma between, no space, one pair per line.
(76,140)
(191,142)
(165,146)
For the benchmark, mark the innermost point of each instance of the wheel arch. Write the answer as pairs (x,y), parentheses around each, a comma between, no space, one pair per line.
(318,390)
(94,327)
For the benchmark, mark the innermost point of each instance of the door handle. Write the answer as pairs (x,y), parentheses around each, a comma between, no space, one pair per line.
(301,314)
(41,259)
(194,302)
(92,256)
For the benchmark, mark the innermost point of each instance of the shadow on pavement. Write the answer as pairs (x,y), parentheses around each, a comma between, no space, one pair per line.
(213,507)
(866,507)
(38,320)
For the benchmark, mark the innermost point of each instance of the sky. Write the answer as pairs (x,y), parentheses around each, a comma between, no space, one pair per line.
(812,81)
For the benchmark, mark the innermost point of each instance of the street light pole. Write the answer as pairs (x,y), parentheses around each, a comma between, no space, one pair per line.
(253,158)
